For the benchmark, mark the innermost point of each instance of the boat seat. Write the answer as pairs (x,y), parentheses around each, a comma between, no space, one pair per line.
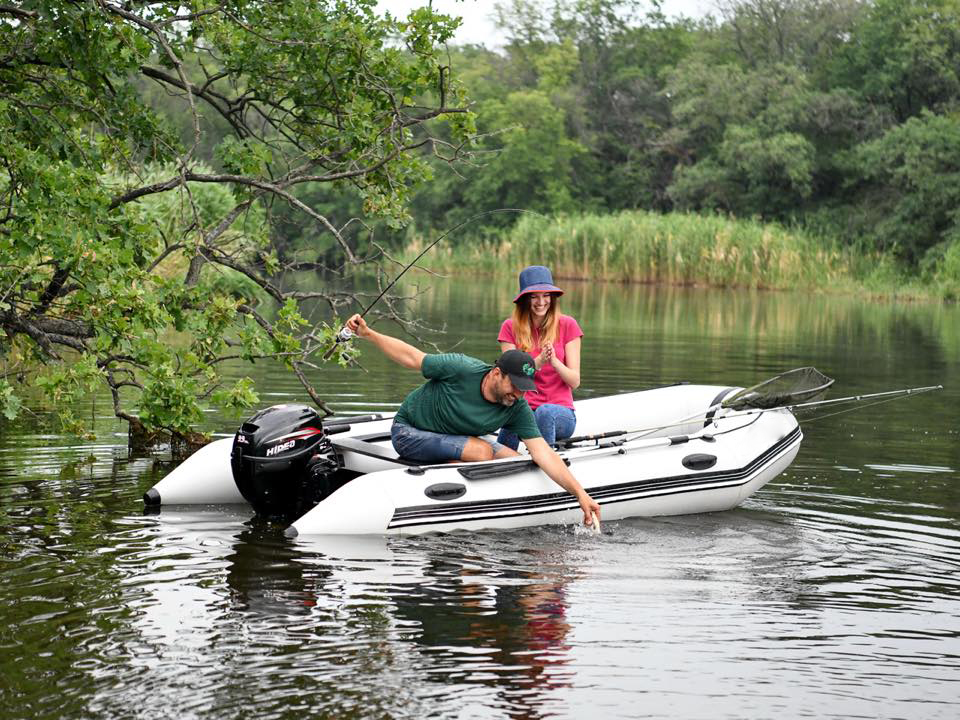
(365,446)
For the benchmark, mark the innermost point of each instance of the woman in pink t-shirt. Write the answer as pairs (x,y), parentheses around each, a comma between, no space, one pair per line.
(553,339)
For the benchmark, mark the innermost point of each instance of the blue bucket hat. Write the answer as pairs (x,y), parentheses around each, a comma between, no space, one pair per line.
(536,278)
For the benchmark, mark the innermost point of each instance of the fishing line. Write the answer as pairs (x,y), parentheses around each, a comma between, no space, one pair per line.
(345,334)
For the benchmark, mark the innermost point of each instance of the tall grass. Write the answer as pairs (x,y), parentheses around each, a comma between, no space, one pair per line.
(677,248)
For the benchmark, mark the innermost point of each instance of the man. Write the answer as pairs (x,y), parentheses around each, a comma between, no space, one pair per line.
(441,421)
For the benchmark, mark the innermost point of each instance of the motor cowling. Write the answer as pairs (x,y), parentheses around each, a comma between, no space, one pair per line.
(282,459)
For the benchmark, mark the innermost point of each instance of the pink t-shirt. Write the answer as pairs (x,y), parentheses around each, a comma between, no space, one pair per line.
(550,386)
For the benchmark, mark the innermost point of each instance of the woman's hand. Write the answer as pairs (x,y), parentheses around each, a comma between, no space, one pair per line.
(546,356)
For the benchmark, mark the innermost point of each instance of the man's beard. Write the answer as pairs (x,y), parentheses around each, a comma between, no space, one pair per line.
(508,399)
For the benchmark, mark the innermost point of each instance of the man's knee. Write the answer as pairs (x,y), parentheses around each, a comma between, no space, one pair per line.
(476,450)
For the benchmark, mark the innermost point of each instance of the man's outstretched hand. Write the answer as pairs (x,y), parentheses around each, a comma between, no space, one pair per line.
(357,325)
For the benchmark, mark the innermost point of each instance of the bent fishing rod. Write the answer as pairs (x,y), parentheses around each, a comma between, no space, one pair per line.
(344,335)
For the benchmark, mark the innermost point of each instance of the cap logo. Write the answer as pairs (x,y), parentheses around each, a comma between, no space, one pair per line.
(528,370)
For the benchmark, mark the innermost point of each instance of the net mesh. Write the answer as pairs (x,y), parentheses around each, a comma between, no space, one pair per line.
(795,386)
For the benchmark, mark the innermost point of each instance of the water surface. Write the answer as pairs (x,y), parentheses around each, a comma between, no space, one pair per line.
(832,593)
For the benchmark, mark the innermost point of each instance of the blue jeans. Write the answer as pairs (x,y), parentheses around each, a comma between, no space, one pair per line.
(430,447)
(556,422)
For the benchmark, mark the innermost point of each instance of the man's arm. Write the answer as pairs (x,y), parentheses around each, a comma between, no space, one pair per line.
(397,350)
(548,460)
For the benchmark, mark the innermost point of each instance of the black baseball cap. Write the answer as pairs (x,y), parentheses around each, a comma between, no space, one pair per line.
(519,367)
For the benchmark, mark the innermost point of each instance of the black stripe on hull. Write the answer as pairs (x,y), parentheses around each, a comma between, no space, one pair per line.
(420,515)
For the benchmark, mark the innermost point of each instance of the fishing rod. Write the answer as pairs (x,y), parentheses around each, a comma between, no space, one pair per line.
(857,398)
(345,334)
(889,395)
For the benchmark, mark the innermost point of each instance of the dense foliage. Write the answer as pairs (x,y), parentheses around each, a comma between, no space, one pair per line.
(149,152)
(841,117)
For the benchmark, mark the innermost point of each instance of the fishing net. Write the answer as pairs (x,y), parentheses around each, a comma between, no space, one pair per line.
(796,386)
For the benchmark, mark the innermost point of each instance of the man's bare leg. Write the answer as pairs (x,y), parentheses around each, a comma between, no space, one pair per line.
(476,450)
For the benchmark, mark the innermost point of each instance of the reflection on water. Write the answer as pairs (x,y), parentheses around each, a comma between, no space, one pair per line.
(832,593)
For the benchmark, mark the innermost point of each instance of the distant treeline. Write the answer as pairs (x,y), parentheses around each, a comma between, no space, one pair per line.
(838,119)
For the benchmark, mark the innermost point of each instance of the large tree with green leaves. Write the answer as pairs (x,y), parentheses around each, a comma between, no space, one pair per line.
(127,259)
(912,181)
(904,55)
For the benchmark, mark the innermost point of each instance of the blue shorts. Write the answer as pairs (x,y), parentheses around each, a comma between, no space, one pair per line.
(430,447)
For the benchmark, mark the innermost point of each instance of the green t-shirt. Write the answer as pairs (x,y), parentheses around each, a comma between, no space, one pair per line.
(452,403)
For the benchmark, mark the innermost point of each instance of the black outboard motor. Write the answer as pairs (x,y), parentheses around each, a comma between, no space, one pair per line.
(283,462)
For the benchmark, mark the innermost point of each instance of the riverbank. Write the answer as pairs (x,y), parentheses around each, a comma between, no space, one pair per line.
(687,249)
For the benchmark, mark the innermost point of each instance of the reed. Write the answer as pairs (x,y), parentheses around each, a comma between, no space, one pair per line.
(643,247)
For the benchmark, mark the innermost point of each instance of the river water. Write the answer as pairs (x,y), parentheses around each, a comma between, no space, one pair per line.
(832,593)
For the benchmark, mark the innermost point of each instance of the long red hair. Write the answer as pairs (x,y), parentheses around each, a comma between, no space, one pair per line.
(532,337)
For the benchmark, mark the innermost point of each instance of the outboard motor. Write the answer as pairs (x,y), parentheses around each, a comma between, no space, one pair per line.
(283,462)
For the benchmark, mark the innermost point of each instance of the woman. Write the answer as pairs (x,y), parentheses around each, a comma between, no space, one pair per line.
(553,339)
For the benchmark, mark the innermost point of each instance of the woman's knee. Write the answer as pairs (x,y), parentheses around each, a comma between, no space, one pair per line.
(555,421)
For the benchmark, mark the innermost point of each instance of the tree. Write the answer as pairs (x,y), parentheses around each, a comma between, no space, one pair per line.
(604,73)
(526,157)
(618,93)
(804,33)
(127,261)
(904,56)
(741,132)
(520,174)
(911,180)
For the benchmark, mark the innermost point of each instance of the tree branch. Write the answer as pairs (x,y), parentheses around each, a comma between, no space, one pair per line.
(19,12)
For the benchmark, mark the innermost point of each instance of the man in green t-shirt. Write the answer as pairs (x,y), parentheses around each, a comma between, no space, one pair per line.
(464,398)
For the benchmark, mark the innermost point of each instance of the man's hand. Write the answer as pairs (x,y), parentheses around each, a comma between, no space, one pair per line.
(551,463)
(357,325)
(397,350)
(590,508)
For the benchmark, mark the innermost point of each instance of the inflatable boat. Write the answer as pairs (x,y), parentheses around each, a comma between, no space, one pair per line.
(672,450)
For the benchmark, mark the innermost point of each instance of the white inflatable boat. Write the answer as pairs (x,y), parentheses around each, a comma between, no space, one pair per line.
(667,451)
